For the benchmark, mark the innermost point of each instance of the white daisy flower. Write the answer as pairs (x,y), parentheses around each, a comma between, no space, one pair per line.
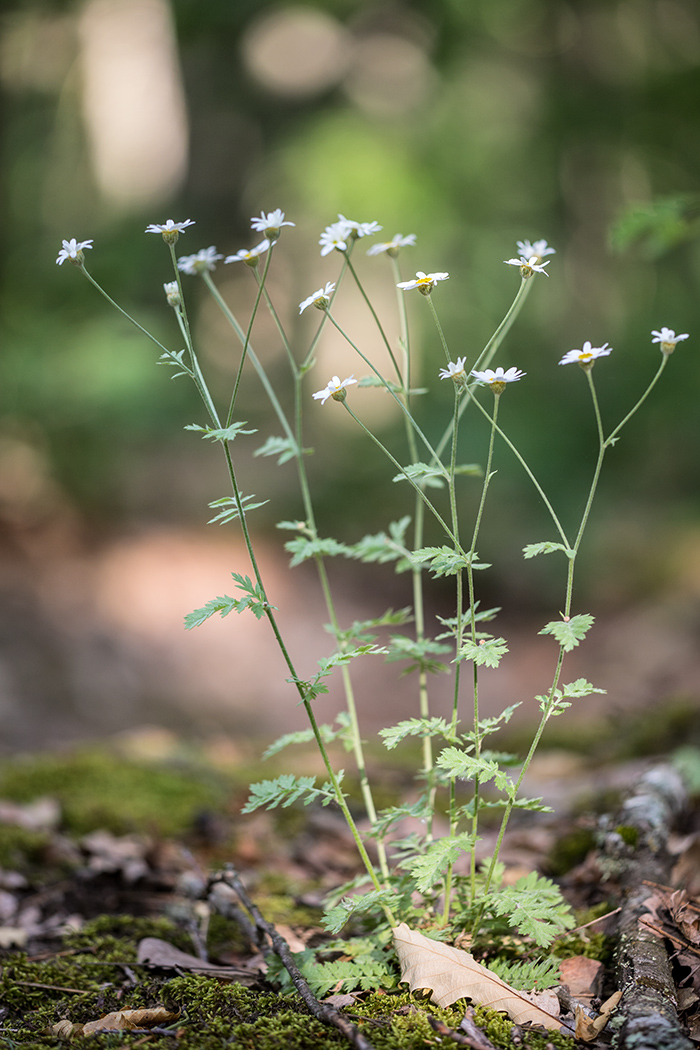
(497,379)
(424,282)
(666,337)
(270,223)
(320,298)
(528,266)
(170,230)
(172,293)
(587,356)
(392,247)
(204,259)
(249,256)
(334,237)
(539,250)
(73,250)
(334,389)
(455,370)
(358,229)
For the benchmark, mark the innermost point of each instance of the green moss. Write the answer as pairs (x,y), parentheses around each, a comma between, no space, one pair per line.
(628,834)
(20,849)
(99,790)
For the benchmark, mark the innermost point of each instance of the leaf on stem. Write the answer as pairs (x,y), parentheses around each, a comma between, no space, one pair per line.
(253,599)
(419,651)
(229,511)
(535,907)
(445,561)
(569,632)
(302,548)
(453,974)
(430,868)
(431,476)
(455,762)
(287,789)
(220,434)
(422,727)
(305,736)
(382,548)
(531,550)
(285,448)
(486,652)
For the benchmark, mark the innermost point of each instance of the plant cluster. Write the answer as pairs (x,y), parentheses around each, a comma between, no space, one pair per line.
(420,877)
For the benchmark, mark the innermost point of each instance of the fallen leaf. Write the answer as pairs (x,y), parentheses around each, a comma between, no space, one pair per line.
(452,974)
(582,975)
(127,1020)
(589,1028)
(153,951)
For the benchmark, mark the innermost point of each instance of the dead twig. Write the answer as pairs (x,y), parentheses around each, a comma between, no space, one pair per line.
(321,1011)
(470,1036)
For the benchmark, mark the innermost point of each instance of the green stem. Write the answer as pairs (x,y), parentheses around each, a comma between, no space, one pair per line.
(378,323)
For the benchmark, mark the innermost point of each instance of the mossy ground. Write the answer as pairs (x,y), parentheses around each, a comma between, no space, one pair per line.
(95,972)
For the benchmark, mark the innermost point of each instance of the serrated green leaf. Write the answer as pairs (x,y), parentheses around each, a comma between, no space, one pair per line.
(220,434)
(340,659)
(431,476)
(487,652)
(569,633)
(253,599)
(287,789)
(580,688)
(455,762)
(229,511)
(444,561)
(305,736)
(422,727)
(428,870)
(421,653)
(284,448)
(535,907)
(531,550)
(302,548)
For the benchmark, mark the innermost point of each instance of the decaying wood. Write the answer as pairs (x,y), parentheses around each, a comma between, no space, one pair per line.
(323,1012)
(649,1004)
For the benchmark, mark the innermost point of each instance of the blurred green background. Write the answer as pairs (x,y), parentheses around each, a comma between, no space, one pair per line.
(471,123)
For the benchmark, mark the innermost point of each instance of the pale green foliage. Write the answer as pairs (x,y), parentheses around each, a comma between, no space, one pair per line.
(535,907)
(531,550)
(287,789)
(306,736)
(420,810)
(304,547)
(454,762)
(220,434)
(401,647)
(430,868)
(338,915)
(252,599)
(569,633)
(229,508)
(430,476)
(444,561)
(363,964)
(485,653)
(560,699)
(385,547)
(432,727)
(528,975)
(176,359)
(284,448)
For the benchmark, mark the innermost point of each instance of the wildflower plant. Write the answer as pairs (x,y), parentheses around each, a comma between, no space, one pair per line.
(412,878)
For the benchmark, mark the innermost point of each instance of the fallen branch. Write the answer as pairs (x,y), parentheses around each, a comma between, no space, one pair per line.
(649,1005)
(323,1012)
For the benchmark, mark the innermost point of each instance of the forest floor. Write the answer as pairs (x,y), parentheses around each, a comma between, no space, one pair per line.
(112,915)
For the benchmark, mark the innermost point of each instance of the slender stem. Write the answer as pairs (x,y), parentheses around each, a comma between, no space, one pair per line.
(488,353)
(436,319)
(397,399)
(438,517)
(116,306)
(378,323)
(610,439)
(246,342)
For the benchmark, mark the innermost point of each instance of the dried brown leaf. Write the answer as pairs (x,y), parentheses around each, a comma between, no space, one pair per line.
(127,1020)
(452,974)
(155,952)
(589,1028)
